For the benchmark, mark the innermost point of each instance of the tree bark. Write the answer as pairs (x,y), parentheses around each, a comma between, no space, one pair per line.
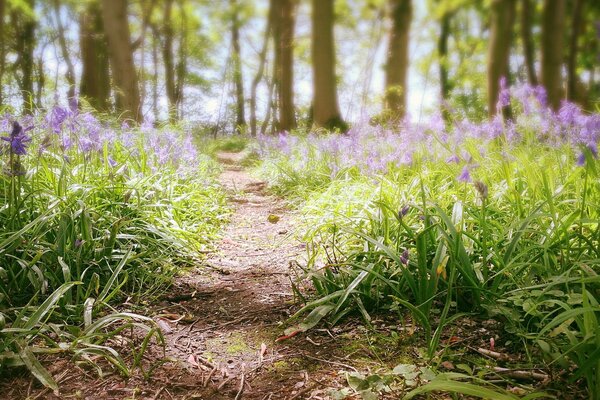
(396,68)
(576,28)
(2,48)
(553,21)
(62,41)
(285,66)
(155,45)
(443,56)
(238,79)
(95,77)
(167,50)
(24,48)
(501,19)
(526,22)
(116,27)
(261,66)
(181,68)
(326,112)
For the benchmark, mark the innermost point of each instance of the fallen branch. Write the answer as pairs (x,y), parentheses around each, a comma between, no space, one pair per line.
(520,374)
(241,389)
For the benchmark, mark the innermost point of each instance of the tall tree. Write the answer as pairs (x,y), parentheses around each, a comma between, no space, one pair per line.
(62,40)
(167,50)
(576,29)
(396,68)
(527,10)
(325,101)
(261,64)
(442,48)
(553,21)
(284,61)
(25,25)
(501,26)
(2,47)
(95,76)
(238,78)
(116,28)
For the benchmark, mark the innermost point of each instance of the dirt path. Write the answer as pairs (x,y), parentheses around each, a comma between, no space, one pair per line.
(221,323)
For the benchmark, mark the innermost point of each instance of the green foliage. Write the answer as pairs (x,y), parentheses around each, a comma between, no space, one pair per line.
(83,228)
(521,247)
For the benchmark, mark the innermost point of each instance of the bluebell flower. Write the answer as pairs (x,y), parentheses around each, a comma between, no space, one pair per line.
(465,175)
(404,257)
(18,139)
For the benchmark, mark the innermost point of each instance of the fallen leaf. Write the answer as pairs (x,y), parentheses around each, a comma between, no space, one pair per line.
(261,354)
(192,360)
(164,325)
(447,365)
(272,218)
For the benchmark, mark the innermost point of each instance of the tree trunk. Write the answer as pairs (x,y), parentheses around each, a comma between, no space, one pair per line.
(576,28)
(167,50)
(526,22)
(24,48)
(181,68)
(552,50)
(116,27)
(396,68)
(326,112)
(62,41)
(285,68)
(443,63)
(501,20)
(238,80)
(155,44)
(261,66)
(2,48)
(95,77)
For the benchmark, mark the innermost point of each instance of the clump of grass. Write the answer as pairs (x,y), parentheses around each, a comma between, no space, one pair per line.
(442,221)
(90,213)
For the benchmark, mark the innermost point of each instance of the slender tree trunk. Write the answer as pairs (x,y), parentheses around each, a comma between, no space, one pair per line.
(526,22)
(238,79)
(181,68)
(261,66)
(155,43)
(576,28)
(553,21)
(443,62)
(95,77)
(167,50)
(24,48)
(116,26)
(2,48)
(62,41)
(285,68)
(326,111)
(396,68)
(40,81)
(502,19)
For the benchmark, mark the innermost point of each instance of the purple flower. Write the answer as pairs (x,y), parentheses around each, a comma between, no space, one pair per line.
(112,162)
(56,118)
(465,175)
(504,96)
(404,257)
(403,211)
(18,139)
(453,159)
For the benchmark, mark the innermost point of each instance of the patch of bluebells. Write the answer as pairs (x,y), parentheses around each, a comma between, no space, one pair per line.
(376,150)
(69,131)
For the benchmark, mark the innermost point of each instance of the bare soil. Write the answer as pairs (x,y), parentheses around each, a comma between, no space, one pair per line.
(221,322)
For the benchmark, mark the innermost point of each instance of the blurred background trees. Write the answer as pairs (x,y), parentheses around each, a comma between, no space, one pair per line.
(289,63)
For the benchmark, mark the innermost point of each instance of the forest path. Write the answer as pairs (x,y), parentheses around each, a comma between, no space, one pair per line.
(239,304)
